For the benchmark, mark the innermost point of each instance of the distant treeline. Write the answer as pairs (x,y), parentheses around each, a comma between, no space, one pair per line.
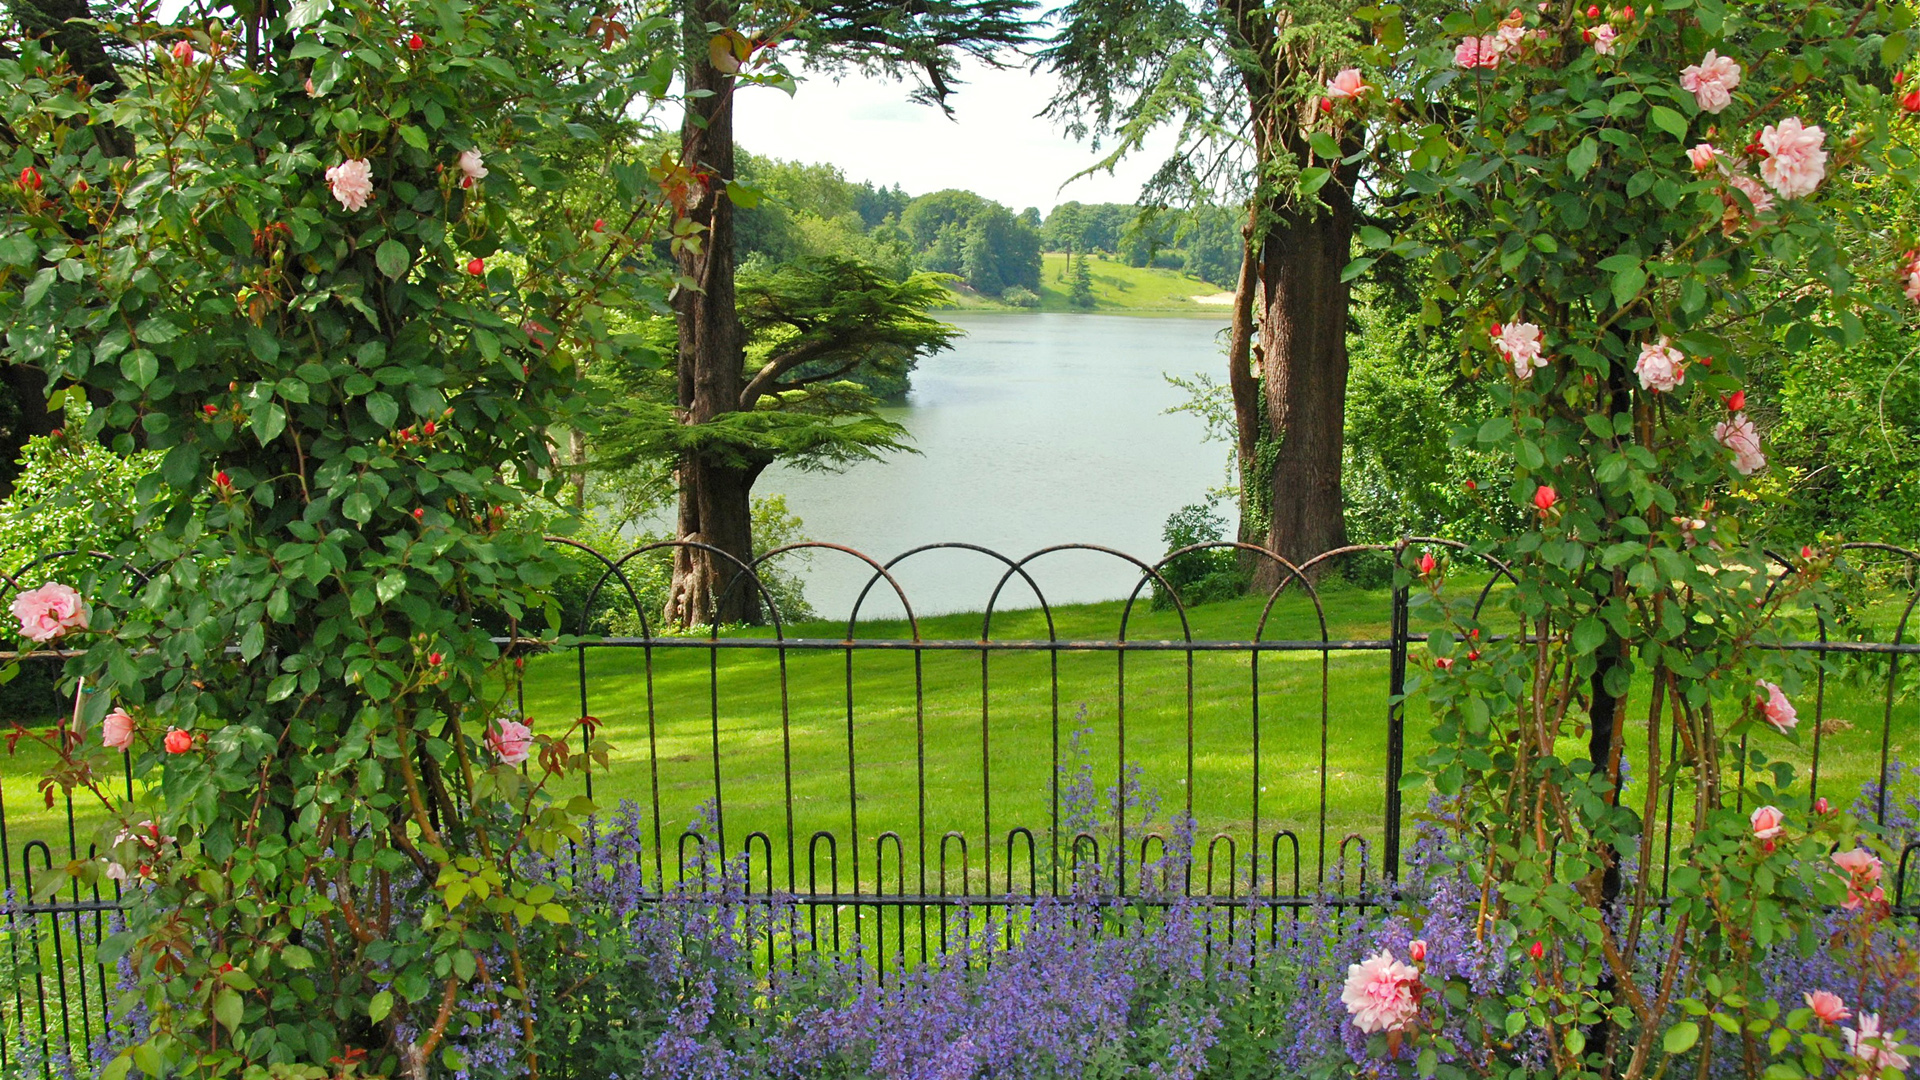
(811,210)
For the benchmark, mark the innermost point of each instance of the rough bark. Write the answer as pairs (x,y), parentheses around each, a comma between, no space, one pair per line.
(1240,378)
(1303,343)
(714,494)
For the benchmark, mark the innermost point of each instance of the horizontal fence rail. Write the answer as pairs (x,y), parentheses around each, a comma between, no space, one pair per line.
(900,790)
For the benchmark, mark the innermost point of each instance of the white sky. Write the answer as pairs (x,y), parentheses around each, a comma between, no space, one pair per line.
(995,145)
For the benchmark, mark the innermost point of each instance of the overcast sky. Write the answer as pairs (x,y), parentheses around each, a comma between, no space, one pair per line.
(995,145)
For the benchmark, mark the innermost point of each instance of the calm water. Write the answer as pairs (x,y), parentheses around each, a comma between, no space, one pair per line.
(1032,430)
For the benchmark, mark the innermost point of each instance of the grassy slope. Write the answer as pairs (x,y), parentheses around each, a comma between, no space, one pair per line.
(1016,738)
(1117,289)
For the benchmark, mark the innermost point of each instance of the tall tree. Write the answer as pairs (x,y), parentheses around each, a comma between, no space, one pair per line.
(926,38)
(1242,83)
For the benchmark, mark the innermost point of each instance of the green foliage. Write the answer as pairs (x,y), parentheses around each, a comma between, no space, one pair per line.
(350,409)
(974,239)
(1198,577)
(1080,282)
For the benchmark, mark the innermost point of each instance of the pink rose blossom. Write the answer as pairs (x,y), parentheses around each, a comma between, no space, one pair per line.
(1795,162)
(116,731)
(1703,156)
(311,92)
(352,183)
(1520,343)
(1827,1006)
(470,164)
(1767,822)
(1913,280)
(1347,84)
(178,741)
(1759,197)
(1863,869)
(183,51)
(1739,435)
(1478,52)
(1874,1050)
(1508,37)
(1382,993)
(1417,950)
(1603,36)
(1777,709)
(49,611)
(1660,367)
(1711,81)
(511,741)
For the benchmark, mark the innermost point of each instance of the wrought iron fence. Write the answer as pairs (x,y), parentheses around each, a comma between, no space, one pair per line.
(890,775)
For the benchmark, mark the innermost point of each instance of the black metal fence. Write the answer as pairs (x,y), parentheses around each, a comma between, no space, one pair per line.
(890,771)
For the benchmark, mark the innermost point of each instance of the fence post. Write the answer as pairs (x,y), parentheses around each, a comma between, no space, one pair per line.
(1397,640)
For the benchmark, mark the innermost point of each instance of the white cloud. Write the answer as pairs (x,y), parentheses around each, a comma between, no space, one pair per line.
(995,144)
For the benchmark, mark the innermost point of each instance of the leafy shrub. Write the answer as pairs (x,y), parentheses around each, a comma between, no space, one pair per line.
(1198,577)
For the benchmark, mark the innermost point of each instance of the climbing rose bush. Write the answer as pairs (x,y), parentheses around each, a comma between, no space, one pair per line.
(1617,208)
(255,264)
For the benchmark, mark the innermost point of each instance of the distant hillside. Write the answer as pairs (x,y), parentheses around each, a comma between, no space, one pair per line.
(1117,289)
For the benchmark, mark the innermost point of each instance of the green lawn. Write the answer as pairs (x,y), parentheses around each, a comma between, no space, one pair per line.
(1117,289)
(988,734)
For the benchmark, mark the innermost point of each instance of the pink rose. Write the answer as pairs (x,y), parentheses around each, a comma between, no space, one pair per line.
(471,166)
(1508,37)
(1660,367)
(1760,198)
(1703,156)
(1382,994)
(1859,864)
(1874,1050)
(1711,81)
(1827,1006)
(1417,950)
(1739,435)
(1795,162)
(1767,822)
(511,741)
(177,741)
(183,51)
(1777,710)
(311,92)
(1347,84)
(1603,36)
(1913,280)
(1478,52)
(116,731)
(352,183)
(1521,344)
(49,611)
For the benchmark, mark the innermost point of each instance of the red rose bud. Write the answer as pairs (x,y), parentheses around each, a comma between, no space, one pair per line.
(1586,36)
(1806,551)
(1326,106)
(220,480)
(599,224)
(429,428)
(433,659)
(419,513)
(1444,663)
(178,742)
(1544,497)
(416,42)
(1593,11)
(1736,401)
(1427,564)
(1628,13)
(30,179)
(1537,950)
(1472,486)
(1417,949)
(1821,806)
(1473,654)
(476,267)
(210,409)
(80,186)
(1911,102)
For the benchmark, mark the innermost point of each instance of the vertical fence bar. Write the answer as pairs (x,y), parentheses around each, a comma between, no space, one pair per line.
(1399,639)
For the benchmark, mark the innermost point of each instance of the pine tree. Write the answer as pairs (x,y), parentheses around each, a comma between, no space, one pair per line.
(1080,292)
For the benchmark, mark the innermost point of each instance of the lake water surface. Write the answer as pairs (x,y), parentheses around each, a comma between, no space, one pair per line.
(1033,430)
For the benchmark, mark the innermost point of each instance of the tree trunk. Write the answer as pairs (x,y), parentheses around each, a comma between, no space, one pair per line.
(714,495)
(1303,342)
(1241,381)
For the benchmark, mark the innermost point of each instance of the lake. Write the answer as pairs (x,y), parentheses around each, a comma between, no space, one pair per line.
(1033,430)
